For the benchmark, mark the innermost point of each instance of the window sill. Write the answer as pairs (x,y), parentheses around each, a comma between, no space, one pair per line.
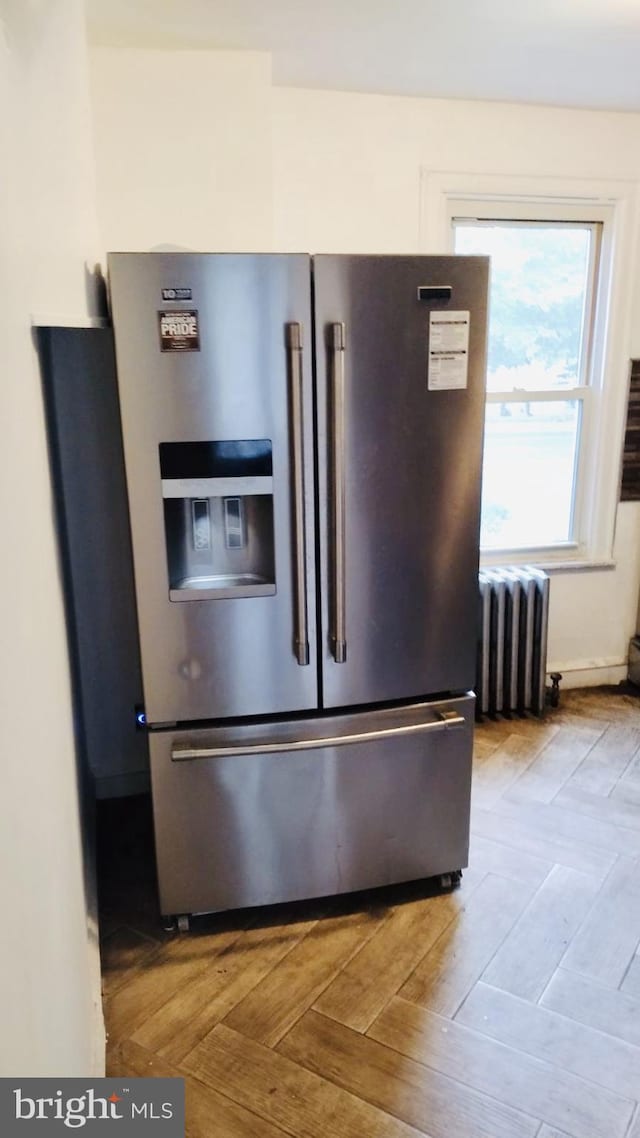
(549,566)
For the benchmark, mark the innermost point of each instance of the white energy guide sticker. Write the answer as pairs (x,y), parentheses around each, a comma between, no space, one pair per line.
(448,350)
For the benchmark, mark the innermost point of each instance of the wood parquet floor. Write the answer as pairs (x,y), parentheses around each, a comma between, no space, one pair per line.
(508,1009)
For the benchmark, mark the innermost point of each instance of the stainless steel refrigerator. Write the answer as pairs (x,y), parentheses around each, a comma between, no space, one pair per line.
(303,442)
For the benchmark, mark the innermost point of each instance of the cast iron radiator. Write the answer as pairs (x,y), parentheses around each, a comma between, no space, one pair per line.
(512,641)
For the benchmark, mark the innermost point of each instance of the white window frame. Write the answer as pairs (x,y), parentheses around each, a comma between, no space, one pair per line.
(445,196)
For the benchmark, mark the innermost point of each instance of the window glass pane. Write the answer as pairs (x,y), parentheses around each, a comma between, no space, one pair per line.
(528,475)
(539,285)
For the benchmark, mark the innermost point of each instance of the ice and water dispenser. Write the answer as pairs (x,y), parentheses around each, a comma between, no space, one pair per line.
(218,517)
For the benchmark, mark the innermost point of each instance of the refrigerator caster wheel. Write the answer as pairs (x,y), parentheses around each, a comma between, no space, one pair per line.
(450,881)
(183,923)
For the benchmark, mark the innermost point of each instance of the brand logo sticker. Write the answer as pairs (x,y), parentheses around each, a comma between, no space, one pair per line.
(179,330)
(176,294)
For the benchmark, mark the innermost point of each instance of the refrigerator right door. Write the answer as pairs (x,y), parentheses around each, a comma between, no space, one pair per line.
(401,360)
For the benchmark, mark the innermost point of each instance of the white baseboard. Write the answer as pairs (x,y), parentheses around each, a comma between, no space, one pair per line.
(590,673)
(99,1043)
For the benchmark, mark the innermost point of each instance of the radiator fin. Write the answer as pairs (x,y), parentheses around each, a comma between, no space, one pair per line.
(512,641)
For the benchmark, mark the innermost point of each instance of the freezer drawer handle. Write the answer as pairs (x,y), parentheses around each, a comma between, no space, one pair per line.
(445,721)
(338,633)
(294,351)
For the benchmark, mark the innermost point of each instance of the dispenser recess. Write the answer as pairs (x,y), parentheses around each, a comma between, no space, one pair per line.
(218,519)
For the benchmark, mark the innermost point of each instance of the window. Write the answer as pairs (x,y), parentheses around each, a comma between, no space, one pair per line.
(543,287)
(562,255)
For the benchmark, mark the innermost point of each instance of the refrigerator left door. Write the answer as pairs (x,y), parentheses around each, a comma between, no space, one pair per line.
(214,370)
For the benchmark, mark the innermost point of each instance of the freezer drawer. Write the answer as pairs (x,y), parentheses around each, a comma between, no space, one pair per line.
(278,812)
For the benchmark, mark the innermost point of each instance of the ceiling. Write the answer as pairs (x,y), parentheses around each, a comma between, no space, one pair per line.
(576,53)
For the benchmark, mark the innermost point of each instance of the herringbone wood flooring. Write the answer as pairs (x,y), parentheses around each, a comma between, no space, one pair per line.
(509,1009)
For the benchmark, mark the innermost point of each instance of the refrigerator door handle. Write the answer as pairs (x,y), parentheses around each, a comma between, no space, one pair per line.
(444,721)
(294,352)
(338,631)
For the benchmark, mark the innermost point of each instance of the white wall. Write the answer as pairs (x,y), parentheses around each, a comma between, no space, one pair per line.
(183,149)
(346,167)
(51,1020)
(341,173)
(347,179)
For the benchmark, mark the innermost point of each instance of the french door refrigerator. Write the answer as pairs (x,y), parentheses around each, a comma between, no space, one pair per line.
(303,443)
